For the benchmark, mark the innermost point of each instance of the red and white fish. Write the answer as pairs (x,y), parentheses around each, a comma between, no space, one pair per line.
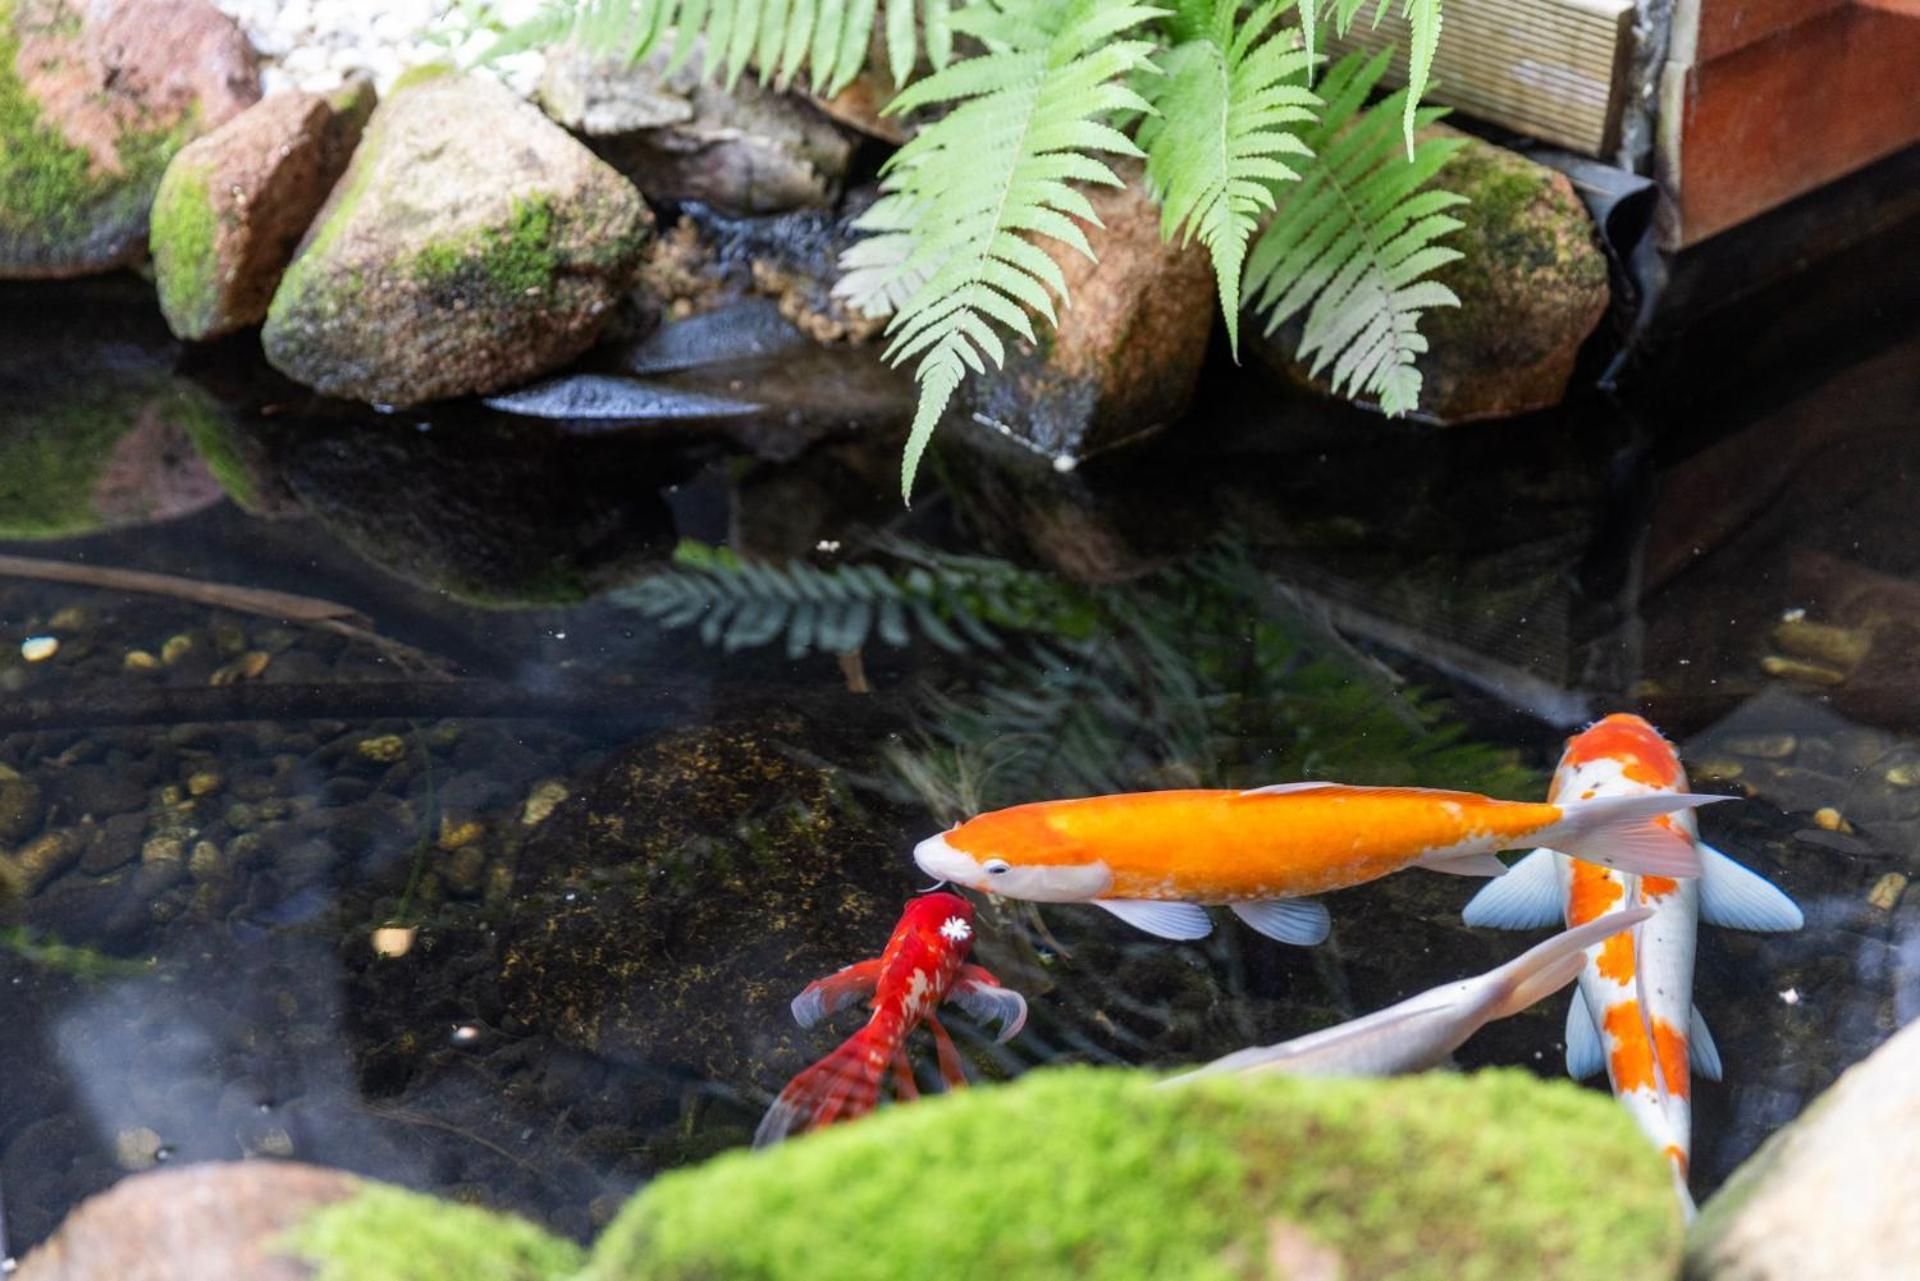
(1633,1012)
(925,963)
(1423,1031)
(1156,859)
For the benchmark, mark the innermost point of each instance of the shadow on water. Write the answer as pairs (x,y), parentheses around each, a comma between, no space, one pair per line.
(604,912)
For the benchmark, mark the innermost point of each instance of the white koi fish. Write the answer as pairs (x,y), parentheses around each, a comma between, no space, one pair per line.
(1633,1011)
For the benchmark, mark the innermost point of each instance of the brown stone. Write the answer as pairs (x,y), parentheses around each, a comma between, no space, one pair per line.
(1126,355)
(193,1223)
(102,96)
(233,205)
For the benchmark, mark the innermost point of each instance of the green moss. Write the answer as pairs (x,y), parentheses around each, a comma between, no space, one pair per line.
(1083,1173)
(419,75)
(50,190)
(386,1234)
(181,240)
(508,261)
(49,466)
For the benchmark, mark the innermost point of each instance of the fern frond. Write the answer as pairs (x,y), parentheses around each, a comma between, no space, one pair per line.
(1423,38)
(1026,121)
(1354,240)
(824,40)
(1227,108)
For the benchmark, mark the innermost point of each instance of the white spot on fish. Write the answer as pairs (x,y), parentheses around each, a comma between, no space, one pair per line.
(956,929)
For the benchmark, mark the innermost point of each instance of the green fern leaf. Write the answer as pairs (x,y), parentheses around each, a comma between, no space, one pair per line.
(1226,105)
(1026,117)
(1354,239)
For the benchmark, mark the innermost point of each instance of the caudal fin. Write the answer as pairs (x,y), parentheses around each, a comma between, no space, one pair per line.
(1620,831)
(839,1087)
(1544,969)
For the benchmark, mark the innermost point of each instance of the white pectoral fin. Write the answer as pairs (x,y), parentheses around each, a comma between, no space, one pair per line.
(989,1003)
(1740,898)
(1586,1054)
(1702,1053)
(1526,898)
(1182,921)
(1619,831)
(1300,921)
(1466,865)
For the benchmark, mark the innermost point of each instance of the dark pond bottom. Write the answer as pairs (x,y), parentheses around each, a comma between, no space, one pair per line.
(657,808)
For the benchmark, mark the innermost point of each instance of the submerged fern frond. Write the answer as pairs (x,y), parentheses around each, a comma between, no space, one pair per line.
(1354,240)
(1026,121)
(1227,105)
(824,40)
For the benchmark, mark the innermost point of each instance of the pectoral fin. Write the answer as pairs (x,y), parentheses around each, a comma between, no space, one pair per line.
(1740,898)
(1586,1054)
(981,996)
(1526,898)
(1300,921)
(1183,921)
(1701,1051)
(836,992)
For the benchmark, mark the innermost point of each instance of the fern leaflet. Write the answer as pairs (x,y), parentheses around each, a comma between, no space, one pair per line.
(1027,117)
(1226,107)
(1423,38)
(1354,239)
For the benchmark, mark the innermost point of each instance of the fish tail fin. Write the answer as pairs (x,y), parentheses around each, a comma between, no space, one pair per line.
(843,1085)
(1625,832)
(1545,968)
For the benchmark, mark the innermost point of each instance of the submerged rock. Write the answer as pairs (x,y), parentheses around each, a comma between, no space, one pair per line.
(744,149)
(1532,286)
(472,244)
(282,1221)
(1126,356)
(95,99)
(1099,1174)
(233,205)
(1837,1193)
(610,399)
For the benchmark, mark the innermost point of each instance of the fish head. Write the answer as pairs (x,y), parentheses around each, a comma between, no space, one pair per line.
(1617,755)
(977,861)
(940,915)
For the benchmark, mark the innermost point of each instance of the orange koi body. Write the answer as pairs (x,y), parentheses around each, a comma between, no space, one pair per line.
(1153,857)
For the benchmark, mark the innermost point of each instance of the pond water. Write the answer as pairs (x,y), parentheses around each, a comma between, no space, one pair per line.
(624,800)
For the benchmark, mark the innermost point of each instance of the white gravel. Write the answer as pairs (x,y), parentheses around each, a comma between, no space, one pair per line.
(317,44)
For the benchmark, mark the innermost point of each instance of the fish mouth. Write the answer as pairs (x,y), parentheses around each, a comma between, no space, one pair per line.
(944,863)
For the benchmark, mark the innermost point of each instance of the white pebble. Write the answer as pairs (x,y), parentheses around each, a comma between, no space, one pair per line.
(38,649)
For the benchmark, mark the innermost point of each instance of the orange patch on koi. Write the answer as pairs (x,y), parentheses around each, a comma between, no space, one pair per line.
(1631,1063)
(1675,1155)
(1644,756)
(1616,957)
(1672,1045)
(1593,895)
(1653,887)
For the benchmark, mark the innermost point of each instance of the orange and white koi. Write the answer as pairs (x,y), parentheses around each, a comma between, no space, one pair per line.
(924,964)
(1155,858)
(1423,1031)
(1633,1011)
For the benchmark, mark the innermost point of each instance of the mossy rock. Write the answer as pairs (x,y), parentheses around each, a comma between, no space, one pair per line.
(471,245)
(1097,1173)
(386,1234)
(95,100)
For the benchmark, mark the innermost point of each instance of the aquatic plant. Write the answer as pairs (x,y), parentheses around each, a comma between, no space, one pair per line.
(1218,97)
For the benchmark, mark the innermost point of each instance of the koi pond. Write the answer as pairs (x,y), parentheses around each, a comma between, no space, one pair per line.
(491,866)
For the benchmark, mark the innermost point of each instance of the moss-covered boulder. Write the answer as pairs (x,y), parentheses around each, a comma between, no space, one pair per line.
(1097,1173)
(1532,284)
(471,245)
(95,99)
(281,1221)
(1125,357)
(233,205)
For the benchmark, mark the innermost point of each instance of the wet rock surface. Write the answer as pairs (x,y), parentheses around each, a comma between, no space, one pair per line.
(94,101)
(1126,356)
(233,205)
(471,245)
(684,136)
(1532,286)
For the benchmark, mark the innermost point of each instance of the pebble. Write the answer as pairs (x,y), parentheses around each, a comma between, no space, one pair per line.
(137,1149)
(1794,670)
(139,660)
(394,940)
(458,833)
(38,649)
(316,44)
(384,749)
(176,648)
(70,619)
(1906,774)
(1765,747)
(1830,819)
(542,801)
(1886,892)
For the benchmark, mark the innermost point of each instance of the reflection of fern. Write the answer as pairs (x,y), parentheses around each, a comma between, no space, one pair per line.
(956,602)
(1354,240)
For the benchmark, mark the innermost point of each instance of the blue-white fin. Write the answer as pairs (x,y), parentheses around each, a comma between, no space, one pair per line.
(1702,1053)
(1300,921)
(1619,831)
(1740,898)
(1279,789)
(1466,865)
(990,1004)
(1526,898)
(1586,1054)
(1167,920)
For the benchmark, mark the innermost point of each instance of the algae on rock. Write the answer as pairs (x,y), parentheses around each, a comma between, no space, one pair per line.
(1089,1173)
(386,1234)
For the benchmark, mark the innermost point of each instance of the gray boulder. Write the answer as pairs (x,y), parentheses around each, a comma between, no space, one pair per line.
(471,245)
(744,150)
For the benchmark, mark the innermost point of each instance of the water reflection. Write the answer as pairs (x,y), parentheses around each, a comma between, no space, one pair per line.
(611,915)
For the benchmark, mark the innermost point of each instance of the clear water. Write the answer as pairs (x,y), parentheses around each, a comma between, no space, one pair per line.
(623,848)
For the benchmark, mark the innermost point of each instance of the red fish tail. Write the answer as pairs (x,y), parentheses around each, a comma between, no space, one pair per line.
(843,1085)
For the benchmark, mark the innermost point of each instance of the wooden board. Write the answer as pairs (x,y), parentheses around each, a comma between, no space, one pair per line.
(1549,68)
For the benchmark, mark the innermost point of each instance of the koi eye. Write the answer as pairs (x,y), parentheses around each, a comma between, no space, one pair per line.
(995,866)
